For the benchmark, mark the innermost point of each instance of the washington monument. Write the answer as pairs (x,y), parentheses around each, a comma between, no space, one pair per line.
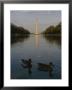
(37,27)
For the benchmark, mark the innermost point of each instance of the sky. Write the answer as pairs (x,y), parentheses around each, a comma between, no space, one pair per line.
(27,19)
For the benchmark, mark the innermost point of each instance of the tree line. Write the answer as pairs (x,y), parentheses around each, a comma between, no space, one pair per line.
(17,31)
(53,29)
(18,34)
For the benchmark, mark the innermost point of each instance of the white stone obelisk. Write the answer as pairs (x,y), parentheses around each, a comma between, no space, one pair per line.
(37,27)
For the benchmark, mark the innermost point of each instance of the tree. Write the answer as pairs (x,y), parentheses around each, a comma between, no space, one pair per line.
(53,30)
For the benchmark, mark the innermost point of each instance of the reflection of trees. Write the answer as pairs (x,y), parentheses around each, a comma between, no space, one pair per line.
(18,34)
(15,39)
(53,39)
(52,34)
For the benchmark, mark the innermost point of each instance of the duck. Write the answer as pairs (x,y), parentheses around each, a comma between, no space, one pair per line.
(27,63)
(24,61)
(45,67)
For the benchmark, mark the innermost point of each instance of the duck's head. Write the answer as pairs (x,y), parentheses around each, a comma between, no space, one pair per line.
(51,64)
(30,60)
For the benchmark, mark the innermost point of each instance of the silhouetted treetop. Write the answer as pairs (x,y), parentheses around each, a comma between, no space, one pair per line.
(53,29)
(18,30)
(18,34)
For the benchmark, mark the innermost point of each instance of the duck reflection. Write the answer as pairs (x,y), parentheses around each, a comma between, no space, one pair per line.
(27,64)
(46,68)
(41,66)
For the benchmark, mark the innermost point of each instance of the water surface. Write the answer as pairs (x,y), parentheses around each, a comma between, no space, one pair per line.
(41,49)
